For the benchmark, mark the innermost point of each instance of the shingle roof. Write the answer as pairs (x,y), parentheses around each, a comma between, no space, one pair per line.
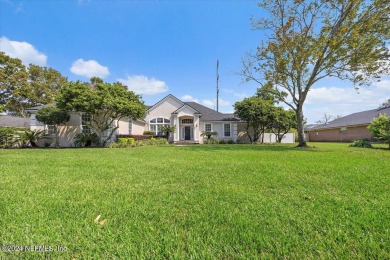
(360,118)
(14,121)
(209,114)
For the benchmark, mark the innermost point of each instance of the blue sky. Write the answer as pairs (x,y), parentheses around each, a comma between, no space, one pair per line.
(158,48)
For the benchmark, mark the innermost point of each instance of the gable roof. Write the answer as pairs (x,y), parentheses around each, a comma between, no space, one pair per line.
(355,119)
(14,121)
(209,114)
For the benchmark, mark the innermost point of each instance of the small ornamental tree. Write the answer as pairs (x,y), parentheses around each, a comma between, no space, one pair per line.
(167,129)
(282,122)
(258,114)
(53,116)
(209,134)
(380,128)
(105,103)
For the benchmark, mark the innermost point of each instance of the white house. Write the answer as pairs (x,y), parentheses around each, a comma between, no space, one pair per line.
(189,118)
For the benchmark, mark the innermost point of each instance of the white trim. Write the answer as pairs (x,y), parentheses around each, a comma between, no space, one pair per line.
(163,99)
(230,129)
(186,105)
(157,124)
(211,126)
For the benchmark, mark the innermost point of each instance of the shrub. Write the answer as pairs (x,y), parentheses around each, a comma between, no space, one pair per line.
(135,137)
(149,133)
(126,141)
(161,141)
(86,139)
(230,141)
(212,141)
(361,144)
(130,142)
(222,141)
(10,136)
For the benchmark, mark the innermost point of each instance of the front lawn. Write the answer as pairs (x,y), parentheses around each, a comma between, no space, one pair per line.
(203,201)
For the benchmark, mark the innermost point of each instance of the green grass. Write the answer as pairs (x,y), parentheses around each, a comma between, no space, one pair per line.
(223,201)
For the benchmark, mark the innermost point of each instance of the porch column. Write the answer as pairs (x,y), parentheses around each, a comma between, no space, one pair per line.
(177,131)
(235,132)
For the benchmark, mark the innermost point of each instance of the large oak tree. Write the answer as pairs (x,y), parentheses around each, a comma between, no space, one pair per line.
(307,41)
(105,103)
(23,87)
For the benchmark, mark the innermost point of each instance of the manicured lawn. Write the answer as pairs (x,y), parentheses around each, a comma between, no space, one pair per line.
(224,201)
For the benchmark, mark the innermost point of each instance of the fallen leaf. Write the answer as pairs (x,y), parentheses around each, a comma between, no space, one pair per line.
(103,222)
(97,219)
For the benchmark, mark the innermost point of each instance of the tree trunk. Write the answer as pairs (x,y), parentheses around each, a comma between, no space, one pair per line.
(301,131)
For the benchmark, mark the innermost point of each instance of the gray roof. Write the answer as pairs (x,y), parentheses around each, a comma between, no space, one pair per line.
(209,114)
(355,119)
(14,121)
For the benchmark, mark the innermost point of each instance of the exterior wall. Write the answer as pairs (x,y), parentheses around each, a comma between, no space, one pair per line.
(334,135)
(163,109)
(123,126)
(219,128)
(66,132)
(138,127)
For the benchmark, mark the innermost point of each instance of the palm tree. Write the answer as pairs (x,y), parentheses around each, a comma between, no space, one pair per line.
(32,136)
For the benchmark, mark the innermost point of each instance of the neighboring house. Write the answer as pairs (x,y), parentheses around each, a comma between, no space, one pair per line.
(189,118)
(14,121)
(345,129)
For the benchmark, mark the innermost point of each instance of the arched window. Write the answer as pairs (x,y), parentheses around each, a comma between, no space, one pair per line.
(156,124)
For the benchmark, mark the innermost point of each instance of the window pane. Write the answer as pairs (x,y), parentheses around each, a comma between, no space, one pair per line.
(153,120)
(226,128)
(152,128)
(207,127)
(167,121)
(187,121)
(159,131)
(159,120)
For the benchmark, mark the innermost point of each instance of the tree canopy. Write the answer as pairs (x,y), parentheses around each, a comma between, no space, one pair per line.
(55,116)
(105,103)
(258,114)
(380,128)
(23,87)
(282,121)
(307,41)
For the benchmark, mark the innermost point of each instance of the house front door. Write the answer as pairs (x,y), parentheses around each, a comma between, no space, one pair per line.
(187,133)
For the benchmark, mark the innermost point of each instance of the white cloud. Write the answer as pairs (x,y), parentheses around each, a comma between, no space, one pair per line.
(22,50)
(143,85)
(208,103)
(236,94)
(383,84)
(189,98)
(89,69)
(344,101)
(212,103)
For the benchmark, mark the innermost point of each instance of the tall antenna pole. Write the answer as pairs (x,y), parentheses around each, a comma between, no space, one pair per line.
(217,87)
